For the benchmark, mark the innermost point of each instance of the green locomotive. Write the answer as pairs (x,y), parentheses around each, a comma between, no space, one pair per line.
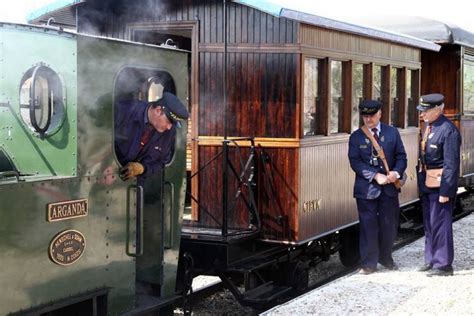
(68,223)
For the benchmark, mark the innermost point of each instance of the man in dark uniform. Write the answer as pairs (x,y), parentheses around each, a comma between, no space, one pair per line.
(374,189)
(440,148)
(145,134)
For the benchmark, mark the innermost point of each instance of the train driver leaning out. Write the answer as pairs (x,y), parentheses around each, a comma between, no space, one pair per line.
(374,189)
(438,174)
(145,134)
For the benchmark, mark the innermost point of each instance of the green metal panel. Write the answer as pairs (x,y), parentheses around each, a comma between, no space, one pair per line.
(22,48)
(99,63)
(27,275)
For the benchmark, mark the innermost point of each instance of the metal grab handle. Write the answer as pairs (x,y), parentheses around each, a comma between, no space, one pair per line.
(139,221)
(171,185)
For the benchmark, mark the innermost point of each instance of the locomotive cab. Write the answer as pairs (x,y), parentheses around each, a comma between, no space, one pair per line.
(83,241)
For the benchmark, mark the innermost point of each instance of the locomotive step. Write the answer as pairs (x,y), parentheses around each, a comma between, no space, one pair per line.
(265,293)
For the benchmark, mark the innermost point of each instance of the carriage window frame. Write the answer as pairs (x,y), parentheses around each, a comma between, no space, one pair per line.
(468,85)
(33,99)
(313,80)
(398,96)
(357,98)
(336,102)
(412,95)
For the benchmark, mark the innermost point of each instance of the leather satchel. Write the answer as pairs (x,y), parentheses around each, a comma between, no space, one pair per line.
(399,182)
(433,178)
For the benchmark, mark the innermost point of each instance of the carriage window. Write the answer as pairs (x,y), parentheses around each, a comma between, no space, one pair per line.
(412,94)
(358,93)
(395,97)
(42,100)
(378,82)
(468,87)
(336,98)
(312,97)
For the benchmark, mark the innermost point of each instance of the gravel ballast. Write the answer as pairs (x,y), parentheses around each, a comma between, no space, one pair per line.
(405,291)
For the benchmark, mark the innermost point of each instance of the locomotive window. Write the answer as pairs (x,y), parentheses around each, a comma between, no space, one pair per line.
(412,94)
(42,100)
(336,98)
(358,94)
(312,97)
(135,85)
(468,87)
(155,89)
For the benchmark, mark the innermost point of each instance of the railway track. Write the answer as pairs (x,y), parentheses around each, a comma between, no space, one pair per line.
(216,299)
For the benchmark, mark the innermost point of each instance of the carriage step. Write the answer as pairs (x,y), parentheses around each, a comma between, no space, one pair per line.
(252,265)
(264,293)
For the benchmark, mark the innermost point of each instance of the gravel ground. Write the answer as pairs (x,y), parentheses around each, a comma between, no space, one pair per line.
(398,292)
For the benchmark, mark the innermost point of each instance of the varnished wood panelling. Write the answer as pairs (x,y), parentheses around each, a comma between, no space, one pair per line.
(245,24)
(277,194)
(355,44)
(261,95)
(441,74)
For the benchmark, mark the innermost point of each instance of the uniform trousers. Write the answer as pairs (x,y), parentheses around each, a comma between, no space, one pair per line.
(438,224)
(378,220)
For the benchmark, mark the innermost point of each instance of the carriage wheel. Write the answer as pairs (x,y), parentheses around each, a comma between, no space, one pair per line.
(349,252)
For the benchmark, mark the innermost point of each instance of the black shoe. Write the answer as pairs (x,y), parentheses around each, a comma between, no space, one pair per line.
(366,271)
(390,266)
(441,272)
(425,267)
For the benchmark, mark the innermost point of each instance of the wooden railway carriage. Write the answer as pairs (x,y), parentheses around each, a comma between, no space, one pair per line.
(450,72)
(293,82)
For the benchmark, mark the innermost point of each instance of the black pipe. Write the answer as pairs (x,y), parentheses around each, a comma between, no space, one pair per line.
(225,143)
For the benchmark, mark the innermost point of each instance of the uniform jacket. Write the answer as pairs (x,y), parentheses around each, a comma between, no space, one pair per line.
(129,127)
(360,155)
(443,148)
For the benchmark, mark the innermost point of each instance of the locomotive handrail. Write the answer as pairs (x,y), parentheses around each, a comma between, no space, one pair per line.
(139,243)
(12,173)
(171,185)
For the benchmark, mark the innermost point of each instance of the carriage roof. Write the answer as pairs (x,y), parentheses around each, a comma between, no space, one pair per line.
(64,14)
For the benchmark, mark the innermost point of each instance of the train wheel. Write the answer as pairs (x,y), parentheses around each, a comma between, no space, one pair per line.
(349,240)
(299,276)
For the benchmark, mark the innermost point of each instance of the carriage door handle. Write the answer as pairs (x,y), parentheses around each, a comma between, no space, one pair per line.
(139,223)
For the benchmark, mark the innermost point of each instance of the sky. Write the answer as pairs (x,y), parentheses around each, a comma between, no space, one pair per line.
(354,11)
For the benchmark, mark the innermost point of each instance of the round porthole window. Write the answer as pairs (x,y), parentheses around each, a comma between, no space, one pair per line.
(42,100)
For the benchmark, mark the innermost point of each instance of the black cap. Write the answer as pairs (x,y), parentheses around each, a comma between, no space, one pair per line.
(369,107)
(173,108)
(430,101)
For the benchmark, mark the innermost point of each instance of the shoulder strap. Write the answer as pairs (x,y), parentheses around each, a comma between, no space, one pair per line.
(377,147)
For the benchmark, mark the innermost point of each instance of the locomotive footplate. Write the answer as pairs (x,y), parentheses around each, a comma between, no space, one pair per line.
(265,271)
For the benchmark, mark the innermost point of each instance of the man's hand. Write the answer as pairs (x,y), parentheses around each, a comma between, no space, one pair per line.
(392,176)
(381,178)
(132,169)
(443,199)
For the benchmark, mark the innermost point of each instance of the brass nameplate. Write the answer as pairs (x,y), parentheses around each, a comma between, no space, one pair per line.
(67,209)
(67,247)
